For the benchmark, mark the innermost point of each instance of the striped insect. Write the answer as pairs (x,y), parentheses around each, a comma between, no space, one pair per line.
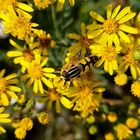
(75,71)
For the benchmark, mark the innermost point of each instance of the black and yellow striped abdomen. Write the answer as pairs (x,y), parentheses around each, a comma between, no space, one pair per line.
(75,71)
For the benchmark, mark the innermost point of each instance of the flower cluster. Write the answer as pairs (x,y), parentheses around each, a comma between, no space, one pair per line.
(40,79)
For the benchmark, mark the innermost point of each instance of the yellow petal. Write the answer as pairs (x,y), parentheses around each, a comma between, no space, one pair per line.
(44,62)
(49,70)
(49,75)
(83,29)
(34,24)
(18,60)
(116,40)
(104,38)
(133,72)
(109,11)
(95,33)
(97,16)
(2,109)
(47,82)
(106,66)
(110,39)
(123,13)
(2,73)
(14,88)
(2,130)
(35,86)
(11,76)
(126,18)
(5,120)
(123,36)
(72,2)
(4,115)
(66,102)
(29,83)
(13,43)
(12,95)
(115,11)
(99,63)
(74,36)
(128,29)
(40,86)
(60,4)
(14,53)
(57,105)
(4,99)
(110,68)
(114,64)
(25,7)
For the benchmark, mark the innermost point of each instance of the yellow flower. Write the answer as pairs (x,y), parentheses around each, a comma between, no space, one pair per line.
(24,55)
(60,4)
(22,99)
(109,136)
(19,19)
(15,4)
(20,133)
(8,87)
(90,119)
(108,55)
(120,79)
(43,118)
(123,132)
(81,46)
(112,117)
(57,94)
(135,88)
(128,59)
(42,4)
(93,130)
(4,118)
(38,73)
(138,133)
(114,28)
(137,23)
(44,41)
(132,123)
(26,124)
(86,95)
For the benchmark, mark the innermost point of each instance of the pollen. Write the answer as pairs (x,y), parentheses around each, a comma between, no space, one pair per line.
(35,72)
(109,54)
(3,84)
(110,26)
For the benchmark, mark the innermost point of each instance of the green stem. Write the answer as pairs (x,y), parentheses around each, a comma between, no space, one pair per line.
(58,35)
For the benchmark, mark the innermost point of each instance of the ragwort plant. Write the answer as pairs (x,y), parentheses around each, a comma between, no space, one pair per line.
(94,99)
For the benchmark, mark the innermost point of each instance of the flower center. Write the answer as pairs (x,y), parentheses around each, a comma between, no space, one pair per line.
(41,4)
(85,42)
(45,42)
(54,95)
(35,71)
(28,55)
(128,58)
(110,26)
(109,53)
(25,24)
(3,84)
